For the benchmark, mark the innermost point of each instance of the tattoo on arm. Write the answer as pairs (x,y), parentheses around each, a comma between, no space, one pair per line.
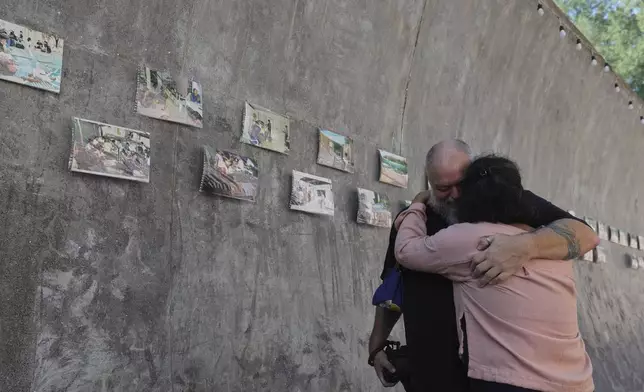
(571,240)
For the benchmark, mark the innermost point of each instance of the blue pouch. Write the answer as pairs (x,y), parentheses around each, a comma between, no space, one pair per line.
(389,294)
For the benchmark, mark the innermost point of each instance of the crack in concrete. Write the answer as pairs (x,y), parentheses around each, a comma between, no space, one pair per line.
(411,67)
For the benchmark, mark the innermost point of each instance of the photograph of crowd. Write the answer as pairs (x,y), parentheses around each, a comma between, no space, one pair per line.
(373,208)
(265,129)
(311,194)
(393,169)
(30,57)
(159,95)
(108,150)
(229,174)
(336,151)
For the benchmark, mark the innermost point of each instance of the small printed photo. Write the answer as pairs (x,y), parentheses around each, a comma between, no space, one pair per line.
(265,129)
(591,222)
(640,260)
(229,174)
(600,255)
(373,208)
(623,238)
(613,234)
(393,169)
(640,240)
(159,95)
(30,57)
(108,150)
(632,241)
(311,194)
(633,261)
(602,231)
(336,151)
(589,255)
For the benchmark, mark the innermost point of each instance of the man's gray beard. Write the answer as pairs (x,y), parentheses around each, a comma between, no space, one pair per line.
(447,211)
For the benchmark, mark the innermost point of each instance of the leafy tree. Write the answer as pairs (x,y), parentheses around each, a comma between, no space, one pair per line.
(616,28)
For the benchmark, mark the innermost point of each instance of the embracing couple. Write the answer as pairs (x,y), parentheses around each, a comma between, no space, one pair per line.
(489,297)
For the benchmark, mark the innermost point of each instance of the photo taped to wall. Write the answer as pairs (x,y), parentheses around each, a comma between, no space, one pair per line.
(109,150)
(229,174)
(311,194)
(159,95)
(373,208)
(266,129)
(30,57)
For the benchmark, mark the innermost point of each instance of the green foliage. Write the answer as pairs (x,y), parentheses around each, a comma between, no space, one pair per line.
(616,28)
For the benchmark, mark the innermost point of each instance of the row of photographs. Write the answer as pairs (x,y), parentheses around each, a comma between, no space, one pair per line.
(35,59)
(112,151)
(612,234)
(597,255)
(635,262)
(229,174)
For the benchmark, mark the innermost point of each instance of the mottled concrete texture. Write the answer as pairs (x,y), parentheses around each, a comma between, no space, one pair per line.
(109,285)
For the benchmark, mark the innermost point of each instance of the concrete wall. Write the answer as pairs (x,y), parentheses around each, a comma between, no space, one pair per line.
(109,285)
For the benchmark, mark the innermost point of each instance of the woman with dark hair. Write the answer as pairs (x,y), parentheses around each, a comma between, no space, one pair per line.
(520,335)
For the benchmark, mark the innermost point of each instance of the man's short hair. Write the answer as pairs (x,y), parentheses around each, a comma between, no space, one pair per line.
(456,144)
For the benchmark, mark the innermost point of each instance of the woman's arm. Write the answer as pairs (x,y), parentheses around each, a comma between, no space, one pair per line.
(447,252)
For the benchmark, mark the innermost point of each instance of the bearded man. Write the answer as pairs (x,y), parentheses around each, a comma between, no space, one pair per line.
(428,303)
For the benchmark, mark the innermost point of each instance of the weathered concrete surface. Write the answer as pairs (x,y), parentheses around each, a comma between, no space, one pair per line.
(115,286)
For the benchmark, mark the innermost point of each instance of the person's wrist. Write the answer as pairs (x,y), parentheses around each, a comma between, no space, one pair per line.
(529,245)
(373,352)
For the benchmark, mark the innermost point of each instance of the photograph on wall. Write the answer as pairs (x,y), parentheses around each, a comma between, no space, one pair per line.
(373,208)
(600,255)
(335,151)
(640,242)
(393,169)
(311,194)
(633,261)
(159,95)
(632,241)
(30,57)
(613,234)
(108,150)
(265,129)
(229,174)
(623,238)
(588,256)
(602,231)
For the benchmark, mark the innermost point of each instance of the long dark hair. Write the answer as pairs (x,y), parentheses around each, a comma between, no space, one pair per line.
(490,191)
